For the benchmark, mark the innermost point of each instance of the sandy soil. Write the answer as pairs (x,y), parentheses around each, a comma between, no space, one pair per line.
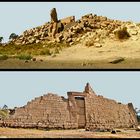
(79,133)
(65,64)
(129,49)
(79,56)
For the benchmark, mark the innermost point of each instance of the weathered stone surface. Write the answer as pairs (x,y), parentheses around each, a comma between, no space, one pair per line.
(33,59)
(53,15)
(88,110)
(97,45)
(102,26)
(68,20)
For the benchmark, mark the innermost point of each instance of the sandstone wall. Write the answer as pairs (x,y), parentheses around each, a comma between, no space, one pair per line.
(48,111)
(53,111)
(103,113)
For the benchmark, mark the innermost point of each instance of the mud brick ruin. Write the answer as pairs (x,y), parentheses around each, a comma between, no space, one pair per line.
(81,110)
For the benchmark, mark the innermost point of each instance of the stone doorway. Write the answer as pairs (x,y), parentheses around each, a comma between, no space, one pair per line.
(80,101)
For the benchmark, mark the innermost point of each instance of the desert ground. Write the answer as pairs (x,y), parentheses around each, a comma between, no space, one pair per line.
(80,56)
(56,64)
(78,133)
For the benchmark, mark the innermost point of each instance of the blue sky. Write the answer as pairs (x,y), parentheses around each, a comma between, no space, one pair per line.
(17,88)
(18,16)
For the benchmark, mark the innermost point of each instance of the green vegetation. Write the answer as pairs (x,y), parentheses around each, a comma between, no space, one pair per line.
(122,34)
(25,52)
(3,57)
(24,57)
(45,51)
(1,38)
(13,36)
(3,113)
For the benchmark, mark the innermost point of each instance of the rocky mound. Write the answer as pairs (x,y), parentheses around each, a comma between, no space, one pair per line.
(90,30)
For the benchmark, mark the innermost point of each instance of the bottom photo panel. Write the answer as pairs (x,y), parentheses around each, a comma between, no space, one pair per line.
(64,104)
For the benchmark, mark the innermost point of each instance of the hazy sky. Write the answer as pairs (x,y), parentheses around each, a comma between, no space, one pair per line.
(17,88)
(18,16)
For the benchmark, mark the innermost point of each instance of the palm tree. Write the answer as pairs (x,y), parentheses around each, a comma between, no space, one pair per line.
(13,36)
(5,107)
(1,38)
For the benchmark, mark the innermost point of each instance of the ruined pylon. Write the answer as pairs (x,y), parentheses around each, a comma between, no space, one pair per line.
(79,110)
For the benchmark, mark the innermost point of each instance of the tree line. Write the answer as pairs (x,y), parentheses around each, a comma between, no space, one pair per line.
(11,37)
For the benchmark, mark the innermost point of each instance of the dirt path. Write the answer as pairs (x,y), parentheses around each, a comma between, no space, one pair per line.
(71,64)
(79,133)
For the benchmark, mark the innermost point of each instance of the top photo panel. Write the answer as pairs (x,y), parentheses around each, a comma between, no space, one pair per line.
(70,35)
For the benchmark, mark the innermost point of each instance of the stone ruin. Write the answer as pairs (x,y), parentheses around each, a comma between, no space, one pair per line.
(80,110)
(71,31)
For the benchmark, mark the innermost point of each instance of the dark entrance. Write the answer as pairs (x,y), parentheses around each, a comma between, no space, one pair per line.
(81,111)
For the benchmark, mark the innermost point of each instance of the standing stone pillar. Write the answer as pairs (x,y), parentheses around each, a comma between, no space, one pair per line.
(53,15)
(54,29)
(54,21)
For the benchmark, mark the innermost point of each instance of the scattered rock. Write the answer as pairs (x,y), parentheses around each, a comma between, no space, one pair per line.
(71,43)
(97,45)
(26,61)
(90,28)
(59,38)
(118,131)
(69,25)
(116,60)
(37,41)
(113,132)
(87,129)
(84,64)
(44,46)
(138,128)
(134,32)
(69,40)
(33,59)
